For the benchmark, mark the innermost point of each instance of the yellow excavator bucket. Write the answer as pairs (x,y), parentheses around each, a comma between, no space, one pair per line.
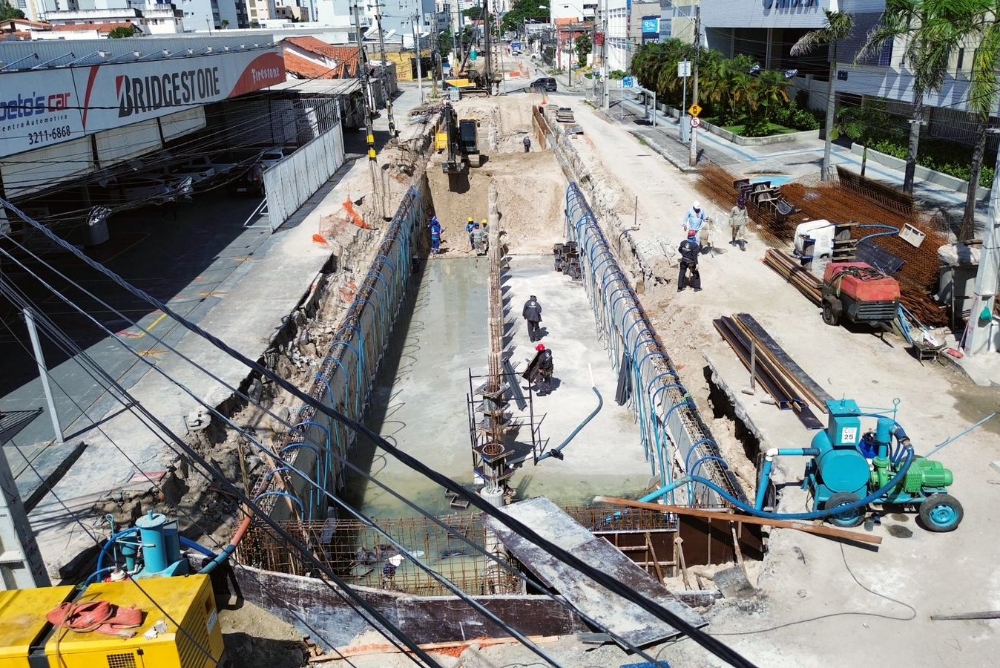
(459,83)
(441,141)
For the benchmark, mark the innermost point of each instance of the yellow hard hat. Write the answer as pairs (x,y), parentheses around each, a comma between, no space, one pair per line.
(470,219)
(484,222)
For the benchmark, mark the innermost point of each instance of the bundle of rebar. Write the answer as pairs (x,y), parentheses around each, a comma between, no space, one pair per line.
(789,269)
(918,277)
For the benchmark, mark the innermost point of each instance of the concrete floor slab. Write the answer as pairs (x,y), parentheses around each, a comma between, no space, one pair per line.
(423,400)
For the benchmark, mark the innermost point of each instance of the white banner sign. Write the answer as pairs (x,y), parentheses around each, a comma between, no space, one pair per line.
(38,109)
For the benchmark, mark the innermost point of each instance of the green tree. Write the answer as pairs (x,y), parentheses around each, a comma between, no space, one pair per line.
(930,38)
(445,43)
(524,10)
(980,28)
(839,26)
(224,24)
(866,123)
(9,11)
(583,46)
(122,32)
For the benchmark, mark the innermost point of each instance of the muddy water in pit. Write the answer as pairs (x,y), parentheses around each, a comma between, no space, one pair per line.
(419,402)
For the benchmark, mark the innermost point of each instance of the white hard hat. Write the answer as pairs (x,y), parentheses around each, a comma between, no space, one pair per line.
(696,205)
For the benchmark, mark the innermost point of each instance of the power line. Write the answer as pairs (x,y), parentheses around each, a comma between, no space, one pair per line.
(709,643)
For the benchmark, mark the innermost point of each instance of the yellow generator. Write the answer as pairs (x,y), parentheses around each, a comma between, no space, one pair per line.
(28,640)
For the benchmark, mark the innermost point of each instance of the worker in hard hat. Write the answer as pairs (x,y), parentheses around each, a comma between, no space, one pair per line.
(697,220)
(479,241)
(532,314)
(435,235)
(689,250)
(470,228)
(539,371)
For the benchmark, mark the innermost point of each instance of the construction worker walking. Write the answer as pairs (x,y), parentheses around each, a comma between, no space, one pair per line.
(435,235)
(532,314)
(737,221)
(527,144)
(696,220)
(479,241)
(470,227)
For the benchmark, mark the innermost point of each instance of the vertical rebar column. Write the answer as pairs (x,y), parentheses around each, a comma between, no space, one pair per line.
(494,454)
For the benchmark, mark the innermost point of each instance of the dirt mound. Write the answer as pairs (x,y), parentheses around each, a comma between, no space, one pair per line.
(531,186)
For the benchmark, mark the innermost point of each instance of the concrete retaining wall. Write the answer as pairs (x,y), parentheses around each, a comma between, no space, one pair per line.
(744,141)
(929,175)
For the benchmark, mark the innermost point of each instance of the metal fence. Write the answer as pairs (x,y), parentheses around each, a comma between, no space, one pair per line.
(295,179)
(672,431)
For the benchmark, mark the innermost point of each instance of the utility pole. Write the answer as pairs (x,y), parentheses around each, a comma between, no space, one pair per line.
(605,93)
(43,373)
(363,79)
(487,46)
(393,133)
(979,332)
(435,62)
(416,47)
(693,160)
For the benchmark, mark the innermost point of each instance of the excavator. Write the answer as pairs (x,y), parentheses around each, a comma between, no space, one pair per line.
(460,138)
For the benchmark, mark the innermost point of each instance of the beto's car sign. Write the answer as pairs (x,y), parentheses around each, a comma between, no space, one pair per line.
(42,108)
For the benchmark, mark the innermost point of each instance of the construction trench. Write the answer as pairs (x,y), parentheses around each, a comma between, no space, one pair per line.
(429,354)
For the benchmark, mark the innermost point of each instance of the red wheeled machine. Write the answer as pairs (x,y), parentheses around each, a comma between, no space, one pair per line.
(858,292)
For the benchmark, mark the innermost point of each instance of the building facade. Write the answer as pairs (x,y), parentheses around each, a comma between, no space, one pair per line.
(766,29)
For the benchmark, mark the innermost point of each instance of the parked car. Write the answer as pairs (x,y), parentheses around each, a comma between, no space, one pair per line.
(273,156)
(158,187)
(545,83)
(250,182)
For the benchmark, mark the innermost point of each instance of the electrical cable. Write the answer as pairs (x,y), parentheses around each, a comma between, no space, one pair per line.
(291,468)
(720,650)
(343,590)
(846,613)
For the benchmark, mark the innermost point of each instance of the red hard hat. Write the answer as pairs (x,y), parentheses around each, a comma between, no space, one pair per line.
(692,233)
(540,347)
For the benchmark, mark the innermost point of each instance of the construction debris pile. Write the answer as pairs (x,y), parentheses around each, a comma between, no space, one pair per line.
(918,277)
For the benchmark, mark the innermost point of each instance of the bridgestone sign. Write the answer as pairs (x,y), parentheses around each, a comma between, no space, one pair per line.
(38,109)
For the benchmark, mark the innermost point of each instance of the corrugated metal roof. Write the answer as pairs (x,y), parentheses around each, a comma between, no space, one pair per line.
(122,50)
(318,86)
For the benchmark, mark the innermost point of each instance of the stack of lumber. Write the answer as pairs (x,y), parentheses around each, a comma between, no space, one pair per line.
(775,370)
(565,115)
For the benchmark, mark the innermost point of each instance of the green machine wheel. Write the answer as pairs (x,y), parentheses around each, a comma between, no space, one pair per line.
(847,518)
(941,512)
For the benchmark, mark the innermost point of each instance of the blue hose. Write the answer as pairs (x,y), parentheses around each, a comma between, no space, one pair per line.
(816,514)
(572,435)
(201,549)
(107,546)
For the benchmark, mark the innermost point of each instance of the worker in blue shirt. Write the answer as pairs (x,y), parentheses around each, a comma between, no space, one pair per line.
(695,220)
(689,250)
(470,227)
(435,235)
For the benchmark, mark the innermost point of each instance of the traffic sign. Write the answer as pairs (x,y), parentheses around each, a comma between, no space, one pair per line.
(695,121)
(628,82)
(694,110)
(684,68)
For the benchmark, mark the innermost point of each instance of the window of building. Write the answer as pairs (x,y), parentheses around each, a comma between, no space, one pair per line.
(961,59)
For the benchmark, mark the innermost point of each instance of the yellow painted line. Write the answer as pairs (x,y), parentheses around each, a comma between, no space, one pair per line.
(131,335)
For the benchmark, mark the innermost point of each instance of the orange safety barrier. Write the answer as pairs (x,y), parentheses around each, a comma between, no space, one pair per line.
(355,216)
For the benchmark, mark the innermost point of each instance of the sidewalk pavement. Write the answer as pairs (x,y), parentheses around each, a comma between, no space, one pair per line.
(800,158)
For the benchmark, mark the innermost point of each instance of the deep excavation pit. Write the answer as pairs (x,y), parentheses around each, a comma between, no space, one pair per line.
(436,359)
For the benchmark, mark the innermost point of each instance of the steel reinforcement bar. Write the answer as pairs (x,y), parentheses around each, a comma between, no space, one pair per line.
(674,436)
(347,373)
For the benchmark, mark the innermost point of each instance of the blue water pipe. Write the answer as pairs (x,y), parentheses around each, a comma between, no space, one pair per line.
(572,435)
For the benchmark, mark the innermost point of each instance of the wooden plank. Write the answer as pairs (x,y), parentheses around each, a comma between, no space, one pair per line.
(348,652)
(818,529)
(804,381)
(622,618)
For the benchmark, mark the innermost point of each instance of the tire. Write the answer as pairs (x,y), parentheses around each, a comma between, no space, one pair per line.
(830,316)
(941,513)
(849,519)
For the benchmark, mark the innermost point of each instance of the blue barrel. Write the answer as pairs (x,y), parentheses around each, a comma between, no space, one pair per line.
(152,535)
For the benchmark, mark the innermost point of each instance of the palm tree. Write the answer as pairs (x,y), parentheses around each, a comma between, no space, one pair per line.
(932,29)
(866,122)
(838,26)
(985,30)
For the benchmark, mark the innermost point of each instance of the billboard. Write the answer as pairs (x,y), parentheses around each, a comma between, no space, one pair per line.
(39,109)
(650,29)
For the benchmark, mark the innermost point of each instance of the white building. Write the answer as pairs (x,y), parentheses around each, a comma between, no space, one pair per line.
(148,19)
(766,30)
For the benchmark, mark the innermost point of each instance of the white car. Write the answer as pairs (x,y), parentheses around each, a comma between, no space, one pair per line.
(273,156)
(159,188)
